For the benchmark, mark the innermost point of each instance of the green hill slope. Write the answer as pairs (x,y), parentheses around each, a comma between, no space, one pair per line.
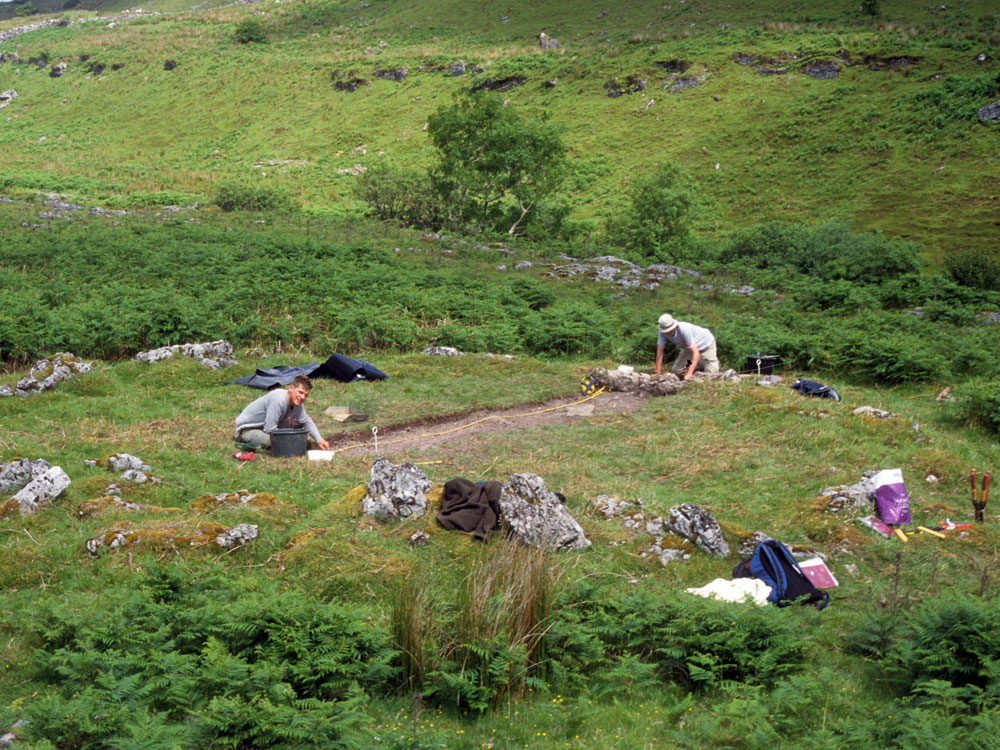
(892,142)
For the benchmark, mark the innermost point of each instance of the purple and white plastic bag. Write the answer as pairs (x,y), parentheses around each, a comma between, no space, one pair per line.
(891,500)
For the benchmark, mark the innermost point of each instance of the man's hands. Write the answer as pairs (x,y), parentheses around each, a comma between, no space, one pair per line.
(323,445)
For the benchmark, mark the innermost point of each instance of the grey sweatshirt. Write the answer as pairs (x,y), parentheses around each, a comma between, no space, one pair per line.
(272,411)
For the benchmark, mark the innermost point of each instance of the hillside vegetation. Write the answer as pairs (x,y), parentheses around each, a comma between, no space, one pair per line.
(891,143)
(845,225)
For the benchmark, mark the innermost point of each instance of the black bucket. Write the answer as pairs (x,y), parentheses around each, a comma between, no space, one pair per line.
(761,364)
(287,441)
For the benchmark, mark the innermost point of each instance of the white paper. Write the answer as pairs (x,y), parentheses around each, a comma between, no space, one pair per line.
(320,455)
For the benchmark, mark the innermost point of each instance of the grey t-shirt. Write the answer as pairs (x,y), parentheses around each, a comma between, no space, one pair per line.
(272,411)
(686,334)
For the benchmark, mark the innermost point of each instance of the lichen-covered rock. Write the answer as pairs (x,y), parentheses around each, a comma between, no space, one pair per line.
(442,351)
(699,526)
(852,497)
(668,549)
(239,498)
(212,354)
(666,384)
(172,535)
(395,491)
(19,472)
(871,411)
(123,462)
(41,489)
(6,390)
(609,506)
(50,371)
(536,517)
(112,503)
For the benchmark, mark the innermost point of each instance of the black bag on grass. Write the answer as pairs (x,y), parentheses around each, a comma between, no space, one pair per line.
(773,564)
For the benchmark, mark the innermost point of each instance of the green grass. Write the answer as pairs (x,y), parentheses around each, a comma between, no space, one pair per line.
(755,457)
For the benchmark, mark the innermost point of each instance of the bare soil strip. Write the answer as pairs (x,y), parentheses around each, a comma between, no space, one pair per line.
(401,439)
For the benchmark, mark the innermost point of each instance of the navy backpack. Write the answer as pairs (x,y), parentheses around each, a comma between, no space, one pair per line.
(773,564)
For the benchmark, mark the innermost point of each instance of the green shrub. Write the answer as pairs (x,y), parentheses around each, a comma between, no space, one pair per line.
(178,660)
(250,30)
(974,268)
(406,196)
(827,252)
(568,328)
(980,401)
(243,197)
(886,349)
(656,223)
(955,640)
(26,9)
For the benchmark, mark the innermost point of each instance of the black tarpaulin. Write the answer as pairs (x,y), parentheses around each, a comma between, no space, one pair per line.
(337,366)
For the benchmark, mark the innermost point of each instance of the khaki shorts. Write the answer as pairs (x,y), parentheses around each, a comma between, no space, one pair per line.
(708,362)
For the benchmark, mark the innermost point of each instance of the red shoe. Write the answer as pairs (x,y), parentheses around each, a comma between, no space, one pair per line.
(244,456)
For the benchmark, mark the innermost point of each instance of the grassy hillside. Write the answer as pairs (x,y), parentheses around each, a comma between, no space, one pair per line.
(891,143)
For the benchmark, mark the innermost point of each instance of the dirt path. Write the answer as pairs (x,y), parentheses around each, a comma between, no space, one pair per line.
(402,439)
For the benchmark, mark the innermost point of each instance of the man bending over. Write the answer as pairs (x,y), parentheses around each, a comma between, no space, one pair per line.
(696,344)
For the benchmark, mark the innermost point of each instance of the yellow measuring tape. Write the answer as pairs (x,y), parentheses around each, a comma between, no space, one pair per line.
(478,421)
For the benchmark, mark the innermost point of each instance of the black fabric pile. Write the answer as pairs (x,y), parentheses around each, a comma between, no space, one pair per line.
(338,367)
(466,506)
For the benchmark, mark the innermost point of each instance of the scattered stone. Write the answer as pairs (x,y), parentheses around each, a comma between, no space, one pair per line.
(123,462)
(610,507)
(419,539)
(395,492)
(991,317)
(19,472)
(871,411)
(769,380)
(932,478)
(457,69)
(666,554)
(112,503)
(666,384)
(631,85)
(699,526)
(500,84)
(357,169)
(490,355)
(673,66)
(823,70)
(397,74)
(547,42)
(170,65)
(944,395)
(990,112)
(172,535)
(442,351)
(742,58)
(345,414)
(857,497)
(239,499)
(41,490)
(7,97)
(50,371)
(212,354)
(6,390)
(350,84)
(536,517)
(57,70)
(107,211)
(749,544)
(551,83)
(682,83)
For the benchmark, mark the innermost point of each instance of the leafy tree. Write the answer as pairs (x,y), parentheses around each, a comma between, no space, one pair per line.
(656,224)
(26,9)
(490,154)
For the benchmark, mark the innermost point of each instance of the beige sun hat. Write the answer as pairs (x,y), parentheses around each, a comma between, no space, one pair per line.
(667,323)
